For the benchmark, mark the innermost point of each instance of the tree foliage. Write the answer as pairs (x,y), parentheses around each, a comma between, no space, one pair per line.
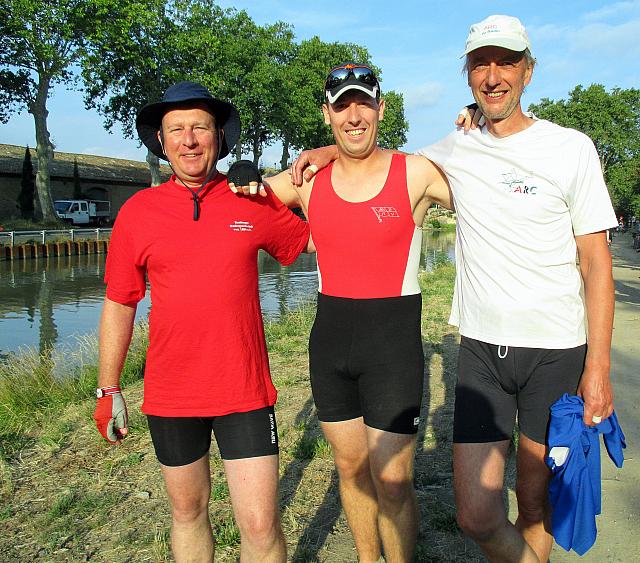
(131,51)
(39,42)
(612,121)
(130,60)
(394,127)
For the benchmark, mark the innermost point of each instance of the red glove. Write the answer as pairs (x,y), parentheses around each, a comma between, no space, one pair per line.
(111,414)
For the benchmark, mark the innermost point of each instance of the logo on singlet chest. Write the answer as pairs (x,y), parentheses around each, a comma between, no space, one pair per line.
(385,212)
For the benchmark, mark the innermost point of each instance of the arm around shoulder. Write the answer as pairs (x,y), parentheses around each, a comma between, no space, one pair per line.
(429,181)
(283,188)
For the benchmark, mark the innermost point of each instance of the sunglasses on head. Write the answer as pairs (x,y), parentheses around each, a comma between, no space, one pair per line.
(341,74)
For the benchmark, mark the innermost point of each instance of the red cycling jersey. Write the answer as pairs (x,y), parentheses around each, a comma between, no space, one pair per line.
(207,354)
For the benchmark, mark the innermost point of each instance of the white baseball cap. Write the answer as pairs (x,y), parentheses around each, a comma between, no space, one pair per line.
(498,31)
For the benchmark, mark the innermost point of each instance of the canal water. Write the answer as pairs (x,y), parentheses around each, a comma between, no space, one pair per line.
(50,302)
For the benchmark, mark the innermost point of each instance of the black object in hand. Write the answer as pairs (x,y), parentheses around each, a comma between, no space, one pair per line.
(243,172)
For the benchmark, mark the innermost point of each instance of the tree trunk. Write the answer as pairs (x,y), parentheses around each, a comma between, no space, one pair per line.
(238,149)
(44,149)
(257,149)
(154,168)
(284,161)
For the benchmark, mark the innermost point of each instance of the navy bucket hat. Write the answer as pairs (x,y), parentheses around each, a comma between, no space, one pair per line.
(149,119)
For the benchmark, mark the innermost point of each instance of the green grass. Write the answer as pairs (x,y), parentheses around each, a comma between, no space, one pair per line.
(437,288)
(290,333)
(35,388)
(81,503)
(219,490)
(226,532)
(26,225)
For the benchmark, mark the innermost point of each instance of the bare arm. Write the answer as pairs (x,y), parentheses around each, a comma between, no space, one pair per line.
(427,185)
(595,267)
(116,328)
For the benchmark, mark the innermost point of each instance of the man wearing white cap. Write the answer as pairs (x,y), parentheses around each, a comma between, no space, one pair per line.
(528,194)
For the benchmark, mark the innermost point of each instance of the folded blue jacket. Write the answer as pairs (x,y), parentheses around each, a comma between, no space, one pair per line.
(575,491)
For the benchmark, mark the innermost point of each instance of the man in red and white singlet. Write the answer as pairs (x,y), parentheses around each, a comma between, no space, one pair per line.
(365,348)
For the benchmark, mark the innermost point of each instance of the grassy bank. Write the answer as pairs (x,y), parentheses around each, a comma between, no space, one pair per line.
(68,496)
(26,225)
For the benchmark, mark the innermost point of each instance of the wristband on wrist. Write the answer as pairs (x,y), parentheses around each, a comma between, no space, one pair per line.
(105,391)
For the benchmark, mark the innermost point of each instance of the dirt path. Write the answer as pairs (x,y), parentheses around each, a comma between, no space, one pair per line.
(618,527)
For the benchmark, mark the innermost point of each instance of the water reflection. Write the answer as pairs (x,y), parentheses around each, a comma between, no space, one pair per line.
(46,302)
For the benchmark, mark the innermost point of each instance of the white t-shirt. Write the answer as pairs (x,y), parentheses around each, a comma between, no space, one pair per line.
(520,201)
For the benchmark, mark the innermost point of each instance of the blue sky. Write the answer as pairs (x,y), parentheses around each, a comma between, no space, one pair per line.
(417,44)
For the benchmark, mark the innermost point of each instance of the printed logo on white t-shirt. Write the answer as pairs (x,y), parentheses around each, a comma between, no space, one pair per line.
(516,183)
(240,226)
(382,212)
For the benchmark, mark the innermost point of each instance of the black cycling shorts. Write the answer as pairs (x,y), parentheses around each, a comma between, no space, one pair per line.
(366,359)
(183,440)
(495,382)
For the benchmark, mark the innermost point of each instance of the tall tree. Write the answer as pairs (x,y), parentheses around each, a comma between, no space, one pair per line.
(612,120)
(131,59)
(27,188)
(241,62)
(301,125)
(393,128)
(624,180)
(77,188)
(40,40)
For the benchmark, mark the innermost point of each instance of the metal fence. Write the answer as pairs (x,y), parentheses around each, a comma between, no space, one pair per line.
(13,238)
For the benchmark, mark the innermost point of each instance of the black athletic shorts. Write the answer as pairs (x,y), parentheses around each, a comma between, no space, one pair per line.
(495,382)
(183,440)
(366,359)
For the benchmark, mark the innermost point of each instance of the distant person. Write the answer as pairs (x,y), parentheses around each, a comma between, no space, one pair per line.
(528,194)
(206,366)
(635,231)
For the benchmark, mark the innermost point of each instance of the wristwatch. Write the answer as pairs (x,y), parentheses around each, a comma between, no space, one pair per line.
(104,391)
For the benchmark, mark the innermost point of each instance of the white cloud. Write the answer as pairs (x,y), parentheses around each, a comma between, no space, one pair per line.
(612,10)
(423,95)
(600,39)
(618,41)
(320,20)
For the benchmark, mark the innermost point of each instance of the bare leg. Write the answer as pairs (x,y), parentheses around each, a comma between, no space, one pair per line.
(478,474)
(189,487)
(391,457)
(253,485)
(534,512)
(348,440)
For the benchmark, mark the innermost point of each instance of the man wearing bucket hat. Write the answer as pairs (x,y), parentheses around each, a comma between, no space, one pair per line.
(365,349)
(206,368)
(528,195)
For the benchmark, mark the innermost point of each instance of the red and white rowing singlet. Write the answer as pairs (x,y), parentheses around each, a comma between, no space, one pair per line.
(367,249)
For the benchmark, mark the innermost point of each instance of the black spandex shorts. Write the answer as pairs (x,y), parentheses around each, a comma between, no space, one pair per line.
(495,382)
(365,359)
(183,440)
